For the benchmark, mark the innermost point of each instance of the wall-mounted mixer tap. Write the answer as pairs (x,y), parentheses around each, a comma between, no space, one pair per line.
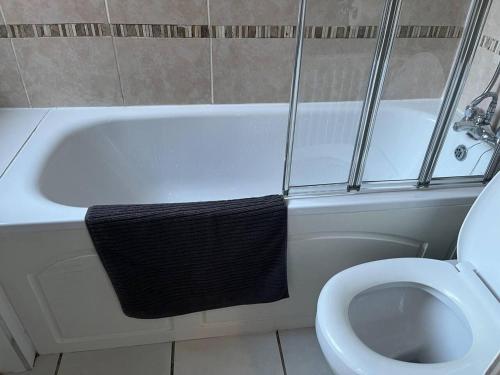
(477,122)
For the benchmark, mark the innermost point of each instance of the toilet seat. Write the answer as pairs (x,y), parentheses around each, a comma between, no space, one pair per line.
(341,344)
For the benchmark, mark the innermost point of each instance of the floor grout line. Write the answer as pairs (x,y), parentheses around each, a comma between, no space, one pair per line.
(282,357)
(56,372)
(172,356)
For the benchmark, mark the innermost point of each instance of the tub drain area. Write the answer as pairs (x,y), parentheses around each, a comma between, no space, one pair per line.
(461,153)
(410,323)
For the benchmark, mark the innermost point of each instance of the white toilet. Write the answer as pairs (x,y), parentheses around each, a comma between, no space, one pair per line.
(420,316)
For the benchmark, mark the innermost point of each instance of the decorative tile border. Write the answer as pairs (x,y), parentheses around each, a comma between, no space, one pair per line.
(219,32)
(370,32)
(230,32)
(430,31)
(55,30)
(491,44)
(340,32)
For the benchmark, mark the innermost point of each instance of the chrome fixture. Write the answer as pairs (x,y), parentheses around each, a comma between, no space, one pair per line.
(477,122)
(474,25)
(385,42)
(493,166)
(495,160)
(473,30)
(294,100)
(461,153)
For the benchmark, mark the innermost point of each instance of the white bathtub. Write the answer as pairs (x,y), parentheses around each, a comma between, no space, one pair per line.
(80,157)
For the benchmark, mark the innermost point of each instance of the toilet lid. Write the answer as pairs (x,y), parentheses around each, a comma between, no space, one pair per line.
(479,238)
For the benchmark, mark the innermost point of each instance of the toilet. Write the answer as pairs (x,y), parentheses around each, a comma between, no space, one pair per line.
(420,316)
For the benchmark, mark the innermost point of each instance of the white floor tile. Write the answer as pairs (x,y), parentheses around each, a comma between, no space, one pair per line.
(44,365)
(236,355)
(302,354)
(144,360)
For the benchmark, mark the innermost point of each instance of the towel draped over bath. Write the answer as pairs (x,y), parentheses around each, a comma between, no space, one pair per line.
(172,259)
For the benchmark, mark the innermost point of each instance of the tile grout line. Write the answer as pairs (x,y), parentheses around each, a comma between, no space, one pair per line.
(211,44)
(115,52)
(18,65)
(172,358)
(282,357)
(25,142)
(56,372)
(20,73)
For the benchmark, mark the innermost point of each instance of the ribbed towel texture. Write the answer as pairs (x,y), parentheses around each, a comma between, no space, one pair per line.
(173,259)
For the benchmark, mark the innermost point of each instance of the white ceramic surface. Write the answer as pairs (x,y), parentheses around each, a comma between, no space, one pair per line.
(82,156)
(348,354)
(16,125)
(302,354)
(478,239)
(146,359)
(326,133)
(21,355)
(44,365)
(242,355)
(417,316)
(236,355)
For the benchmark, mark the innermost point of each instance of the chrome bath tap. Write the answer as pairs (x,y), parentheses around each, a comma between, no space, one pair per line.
(477,122)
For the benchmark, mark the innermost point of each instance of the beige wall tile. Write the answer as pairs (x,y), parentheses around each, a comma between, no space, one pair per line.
(69,71)
(53,11)
(165,71)
(484,64)
(492,27)
(342,12)
(335,69)
(434,12)
(158,11)
(369,12)
(254,12)
(483,67)
(252,70)
(12,93)
(419,68)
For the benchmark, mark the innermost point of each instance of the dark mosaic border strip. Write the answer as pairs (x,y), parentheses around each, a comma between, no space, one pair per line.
(370,32)
(222,32)
(491,44)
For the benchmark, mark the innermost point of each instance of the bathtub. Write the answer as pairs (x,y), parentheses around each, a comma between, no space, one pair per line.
(78,157)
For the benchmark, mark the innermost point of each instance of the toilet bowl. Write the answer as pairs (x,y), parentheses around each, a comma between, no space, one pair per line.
(419,316)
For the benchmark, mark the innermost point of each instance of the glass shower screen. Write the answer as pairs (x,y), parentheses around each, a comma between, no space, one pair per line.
(339,42)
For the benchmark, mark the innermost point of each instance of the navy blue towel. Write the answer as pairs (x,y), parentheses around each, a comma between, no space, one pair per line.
(173,259)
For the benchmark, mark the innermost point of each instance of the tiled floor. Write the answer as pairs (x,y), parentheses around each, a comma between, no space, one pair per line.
(294,352)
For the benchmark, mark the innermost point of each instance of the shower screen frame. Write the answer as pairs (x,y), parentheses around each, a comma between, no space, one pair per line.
(474,25)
